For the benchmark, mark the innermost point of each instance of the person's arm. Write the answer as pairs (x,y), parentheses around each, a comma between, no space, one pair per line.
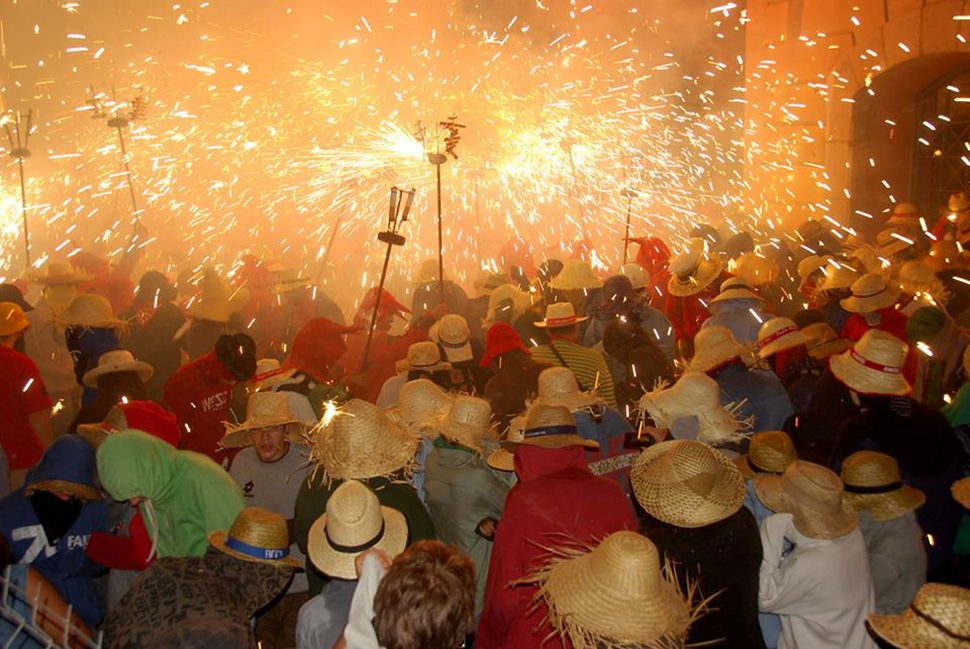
(40,422)
(783,586)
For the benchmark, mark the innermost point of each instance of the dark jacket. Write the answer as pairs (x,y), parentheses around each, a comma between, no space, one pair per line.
(516,381)
(815,432)
(725,559)
(151,338)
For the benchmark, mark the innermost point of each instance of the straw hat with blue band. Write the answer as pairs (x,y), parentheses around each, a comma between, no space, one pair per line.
(259,536)
(550,427)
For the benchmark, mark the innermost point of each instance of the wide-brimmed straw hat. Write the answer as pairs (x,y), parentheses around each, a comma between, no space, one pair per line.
(837,275)
(694,395)
(488,281)
(361,442)
(714,346)
(467,423)
(813,495)
(874,365)
(259,536)
(872,481)
(12,319)
(691,272)
(619,594)
(558,387)
(89,310)
(736,288)
(939,618)
(263,410)
(916,277)
(269,372)
(560,314)
(507,296)
(824,341)
(905,214)
(354,521)
(419,403)
(687,483)
(752,268)
(61,273)
(959,202)
(453,335)
(576,275)
(637,274)
(117,360)
(503,458)
(550,427)
(778,334)
(808,266)
(216,301)
(961,492)
(291,279)
(424,357)
(870,293)
(146,416)
(770,451)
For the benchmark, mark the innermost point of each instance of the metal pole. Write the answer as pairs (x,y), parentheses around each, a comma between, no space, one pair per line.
(23,209)
(326,255)
(377,306)
(441,247)
(626,237)
(124,158)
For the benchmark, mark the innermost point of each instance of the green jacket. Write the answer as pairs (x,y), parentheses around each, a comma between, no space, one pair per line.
(311,504)
(190,494)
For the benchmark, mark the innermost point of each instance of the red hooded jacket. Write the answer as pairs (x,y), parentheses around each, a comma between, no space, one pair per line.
(556,501)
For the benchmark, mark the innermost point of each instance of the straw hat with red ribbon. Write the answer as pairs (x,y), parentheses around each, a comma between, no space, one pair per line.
(873,366)
(560,314)
(778,334)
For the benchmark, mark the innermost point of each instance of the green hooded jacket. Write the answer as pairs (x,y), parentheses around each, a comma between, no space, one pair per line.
(190,494)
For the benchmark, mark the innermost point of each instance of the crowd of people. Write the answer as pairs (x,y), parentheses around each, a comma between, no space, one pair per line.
(748,443)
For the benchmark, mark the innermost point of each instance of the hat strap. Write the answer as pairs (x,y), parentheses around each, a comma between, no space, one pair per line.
(255,551)
(350,549)
(757,469)
(784,331)
(936,624)
(865,362)
(878,489)
(550,430)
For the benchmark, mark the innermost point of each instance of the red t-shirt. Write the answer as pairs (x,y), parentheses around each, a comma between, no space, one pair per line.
(22,393)
(199,394)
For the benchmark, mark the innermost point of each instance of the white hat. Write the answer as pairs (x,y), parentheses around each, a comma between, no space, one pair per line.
(424,356)
(637,275)
(453,336)
(874,365)
(779,334)
(560,314)
(870,293)
(576,274)
(118,360)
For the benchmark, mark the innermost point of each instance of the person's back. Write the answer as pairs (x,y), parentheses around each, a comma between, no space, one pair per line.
(760,394)
(897,560)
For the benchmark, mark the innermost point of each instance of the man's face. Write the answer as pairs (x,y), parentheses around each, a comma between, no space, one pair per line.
(270,443)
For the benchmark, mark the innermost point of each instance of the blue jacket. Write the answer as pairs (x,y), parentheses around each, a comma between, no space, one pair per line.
(736,315)
(610,431)
(766,398)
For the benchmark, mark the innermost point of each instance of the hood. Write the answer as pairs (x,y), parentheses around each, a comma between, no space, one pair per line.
(133,464)
(69,459)
(532,462)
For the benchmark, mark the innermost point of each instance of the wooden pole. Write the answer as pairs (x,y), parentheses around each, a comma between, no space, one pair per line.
(441,245)
(626,236)
(124,159)
(23,209)
(377,307)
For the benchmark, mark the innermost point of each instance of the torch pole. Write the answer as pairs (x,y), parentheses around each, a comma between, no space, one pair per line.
(377,307)
(326,255)
(626,236)
(23,209)
(441,245)
(124,159)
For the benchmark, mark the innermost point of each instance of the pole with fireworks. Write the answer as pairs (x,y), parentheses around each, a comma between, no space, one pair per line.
(18,137)
(120,121)
(629,195)
(400,207)
(437,159)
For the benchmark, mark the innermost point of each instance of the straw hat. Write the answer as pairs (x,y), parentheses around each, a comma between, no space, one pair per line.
(467,423)
(270,373)
(916,277)
(290,279)
(117,360)
(487,282)
(691,272)
(808,266)
(753,269)
(694,395)
(959,202)
(714,346)
(424,356)
(362,442)
(146,416)
(428,271)
(12,319)
(257,535)
(770,452)
(519,300)
(637,275)
(687,483)
(837,276)
(778,334)
(946,254)
(939,618)
(419,403)
(576,274)
(872,481)
(558,387)
(868,259)
(813,495)
(735,288)
(89,310)
(890,242)
(870,293)
(61,273)
(550,427)
(216,301)
(824,341)
(354,521)
(503,458)
(263,410)
(616,595)
(560,314)
(874,365)
(453,335)
(904,214)
(961,492)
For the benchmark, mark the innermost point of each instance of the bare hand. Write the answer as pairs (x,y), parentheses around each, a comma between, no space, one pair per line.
(380,554)
(439,312)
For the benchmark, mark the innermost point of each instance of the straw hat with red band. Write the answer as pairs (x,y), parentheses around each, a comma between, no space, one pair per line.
(317,346)
(269,372)
(501,339)
(873,366)
(560,314)
(777,335)
(870,293)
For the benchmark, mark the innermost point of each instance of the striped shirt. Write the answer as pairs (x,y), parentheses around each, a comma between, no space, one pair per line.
(587,364)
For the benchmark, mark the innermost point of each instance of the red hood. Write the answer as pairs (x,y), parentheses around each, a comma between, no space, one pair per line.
(654,254)
(533,462)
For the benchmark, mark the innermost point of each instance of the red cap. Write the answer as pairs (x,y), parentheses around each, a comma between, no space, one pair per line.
(317,346)
(151,418)
(501,339)
(389,305)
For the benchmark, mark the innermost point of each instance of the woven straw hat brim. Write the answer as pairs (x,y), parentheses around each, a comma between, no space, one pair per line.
(423,428)
(961,492)
(391,449)
(908,631)
(553,441)
(741,464)
(144,370)
(866,380)
(825,350)
(93,434)
(502,459)
(737,294)
(889,505)
(463,434)
(341,564)
(405,366)
(542,324)
(793,339)
(575,595)
(84,492)
(885,299)
(218,541)
(812,523)
(674,503)
(708,359)
(707,271)
(237,436)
